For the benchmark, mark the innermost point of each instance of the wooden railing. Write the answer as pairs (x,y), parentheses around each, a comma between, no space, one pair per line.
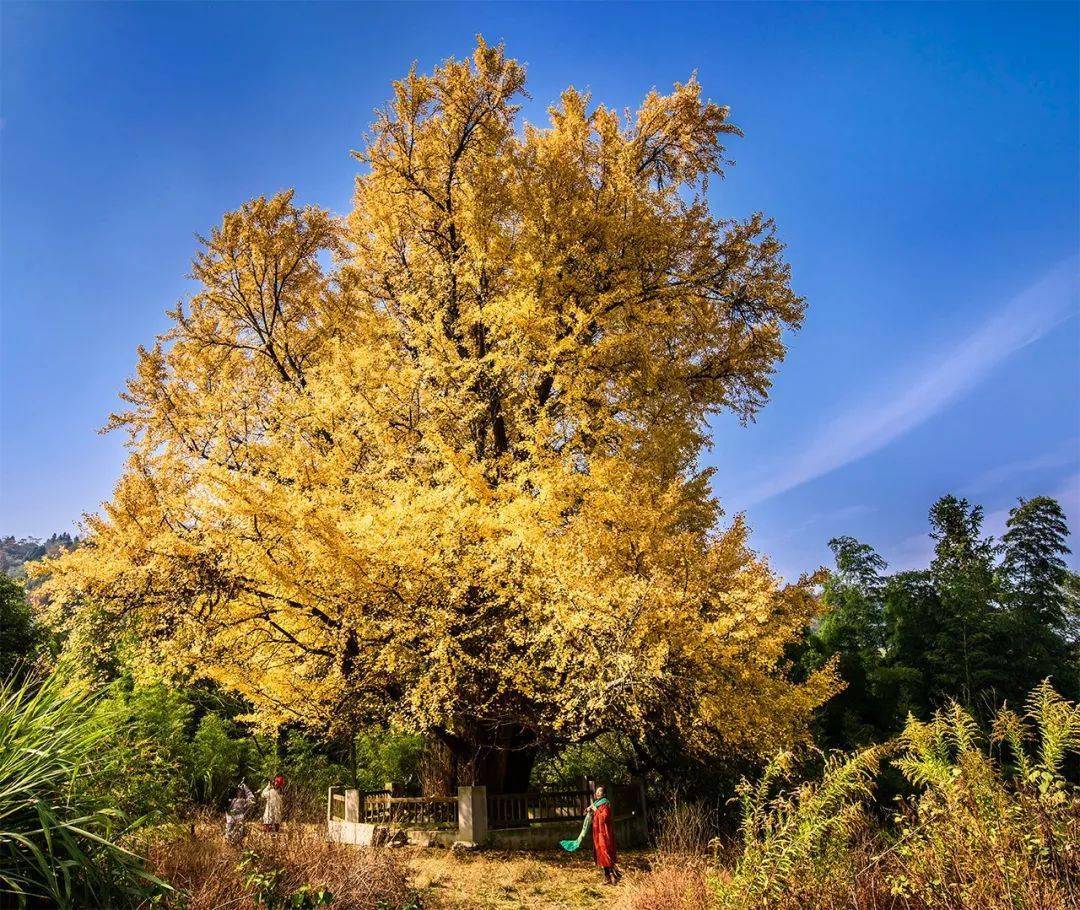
(519,810)
(378,807)
(504,810)
(409,811)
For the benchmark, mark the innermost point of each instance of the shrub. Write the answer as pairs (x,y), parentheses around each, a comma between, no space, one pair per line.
(685,829)
(219,759)
(983,833)
(58,840)
(149,771)
(675,885)
(799,846)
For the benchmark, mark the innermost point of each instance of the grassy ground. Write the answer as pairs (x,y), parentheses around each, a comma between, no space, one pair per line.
(507,881)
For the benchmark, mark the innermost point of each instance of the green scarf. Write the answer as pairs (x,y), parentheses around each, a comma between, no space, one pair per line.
(571,845)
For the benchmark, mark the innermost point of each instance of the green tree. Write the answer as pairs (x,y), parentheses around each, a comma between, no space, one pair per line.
(1038,609)
(852,631)
(967,658)
(19,634)
(913,618)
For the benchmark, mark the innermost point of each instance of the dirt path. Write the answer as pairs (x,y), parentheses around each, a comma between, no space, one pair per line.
(508,881)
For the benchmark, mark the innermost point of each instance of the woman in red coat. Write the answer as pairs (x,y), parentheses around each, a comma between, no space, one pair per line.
(603,837)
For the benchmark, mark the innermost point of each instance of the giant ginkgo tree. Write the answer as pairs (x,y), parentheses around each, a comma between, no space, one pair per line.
(437,464)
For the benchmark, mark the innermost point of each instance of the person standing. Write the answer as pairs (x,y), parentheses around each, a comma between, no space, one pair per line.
(274,803)
(236,814)
(603,837)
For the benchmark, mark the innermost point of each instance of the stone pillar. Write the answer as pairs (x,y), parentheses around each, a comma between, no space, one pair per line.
(352,806)
(472,815)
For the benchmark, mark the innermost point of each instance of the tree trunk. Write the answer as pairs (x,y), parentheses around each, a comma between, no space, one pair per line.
(498,759)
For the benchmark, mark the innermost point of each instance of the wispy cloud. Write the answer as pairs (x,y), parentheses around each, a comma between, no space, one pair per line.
(872,424)
(831,519)
(916,550)
(1063,455)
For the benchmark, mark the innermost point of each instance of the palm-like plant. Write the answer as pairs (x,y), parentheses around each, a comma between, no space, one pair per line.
(58,842)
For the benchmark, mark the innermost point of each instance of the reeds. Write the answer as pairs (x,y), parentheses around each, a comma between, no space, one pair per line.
(993,825)
(58,838)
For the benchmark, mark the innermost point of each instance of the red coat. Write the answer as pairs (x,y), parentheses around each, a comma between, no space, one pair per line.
(603,836)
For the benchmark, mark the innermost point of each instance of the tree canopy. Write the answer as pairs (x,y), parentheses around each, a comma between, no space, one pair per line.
(437,463)
(985,623)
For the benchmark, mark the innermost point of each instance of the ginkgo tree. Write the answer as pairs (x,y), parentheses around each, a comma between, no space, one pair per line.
(436,464)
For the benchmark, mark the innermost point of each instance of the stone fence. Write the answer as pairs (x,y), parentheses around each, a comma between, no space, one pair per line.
(511,821)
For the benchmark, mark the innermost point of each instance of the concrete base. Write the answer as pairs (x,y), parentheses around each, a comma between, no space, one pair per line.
(629,832)
(363,834)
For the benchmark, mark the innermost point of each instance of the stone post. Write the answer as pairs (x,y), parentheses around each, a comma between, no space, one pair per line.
(472,815)
(352,805)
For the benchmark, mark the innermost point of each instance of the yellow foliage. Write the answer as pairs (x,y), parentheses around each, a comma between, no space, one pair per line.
(437,463)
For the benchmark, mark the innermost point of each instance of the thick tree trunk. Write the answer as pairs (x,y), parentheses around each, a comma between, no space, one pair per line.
(498,759)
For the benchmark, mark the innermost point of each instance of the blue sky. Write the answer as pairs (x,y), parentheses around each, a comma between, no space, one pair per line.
(921,162)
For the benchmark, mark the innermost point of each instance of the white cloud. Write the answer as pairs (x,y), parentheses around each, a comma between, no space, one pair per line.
(916,550)
(1064,455)
(872,424)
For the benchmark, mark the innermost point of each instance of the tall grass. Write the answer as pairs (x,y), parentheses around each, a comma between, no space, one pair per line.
(210,874)
(985,831)
(993,824)
(58,837)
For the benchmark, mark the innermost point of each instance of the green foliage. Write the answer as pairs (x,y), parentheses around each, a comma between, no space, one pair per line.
(998,833)
(1034,578)
(19,635)
(388,755)
(967,628)
(853,631)
(268,891)
(58,835)
(150,770)
(180,747)
(601,759)
(967,656)
(219,759)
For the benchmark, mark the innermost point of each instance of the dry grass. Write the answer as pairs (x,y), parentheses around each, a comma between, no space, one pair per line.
(681,884)
(509,881)
(204,867)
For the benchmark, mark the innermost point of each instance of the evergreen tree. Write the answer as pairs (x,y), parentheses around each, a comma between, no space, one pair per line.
(853,631)
(913,617)
(1033,577)
(966,659)
(18,633)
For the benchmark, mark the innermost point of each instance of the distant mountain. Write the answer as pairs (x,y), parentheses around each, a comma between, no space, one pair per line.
(15,552)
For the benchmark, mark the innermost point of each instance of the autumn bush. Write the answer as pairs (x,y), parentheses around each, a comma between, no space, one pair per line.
(985,831)
(209,873)
(804,846)
(680,884)
(994,824)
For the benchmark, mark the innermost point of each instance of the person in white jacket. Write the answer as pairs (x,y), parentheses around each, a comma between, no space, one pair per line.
(275,804)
